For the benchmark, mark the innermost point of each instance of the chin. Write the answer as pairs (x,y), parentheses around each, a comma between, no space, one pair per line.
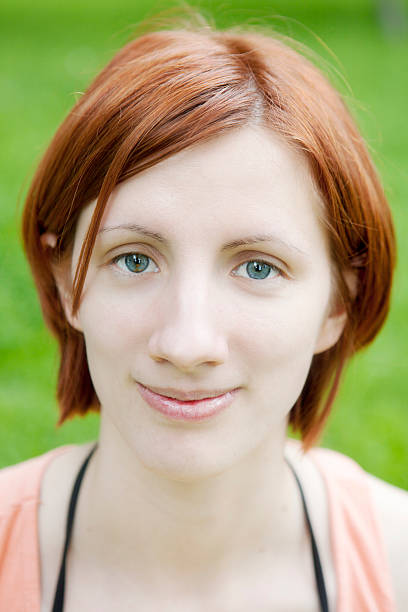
(186,468)
(188,472)
(184,459)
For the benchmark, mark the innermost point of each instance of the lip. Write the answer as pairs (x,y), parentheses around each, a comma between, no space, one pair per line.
(204,405)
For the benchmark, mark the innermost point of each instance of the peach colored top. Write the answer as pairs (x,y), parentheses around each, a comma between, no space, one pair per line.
(362,575)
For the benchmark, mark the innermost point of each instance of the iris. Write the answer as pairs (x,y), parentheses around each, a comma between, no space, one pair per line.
(258,269)
(136,262)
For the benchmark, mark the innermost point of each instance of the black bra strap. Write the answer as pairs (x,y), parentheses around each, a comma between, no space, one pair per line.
(321,587)
(60,590)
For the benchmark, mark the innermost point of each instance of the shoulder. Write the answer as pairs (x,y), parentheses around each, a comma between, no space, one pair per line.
(56,487)
(20,483)
(382,502)
(21,497)
(392,510)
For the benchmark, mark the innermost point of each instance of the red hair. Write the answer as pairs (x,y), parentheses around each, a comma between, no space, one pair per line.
(171,89)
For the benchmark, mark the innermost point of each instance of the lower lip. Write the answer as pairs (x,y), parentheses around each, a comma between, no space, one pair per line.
(197,410)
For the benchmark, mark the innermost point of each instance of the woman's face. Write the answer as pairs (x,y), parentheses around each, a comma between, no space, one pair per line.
(210,273)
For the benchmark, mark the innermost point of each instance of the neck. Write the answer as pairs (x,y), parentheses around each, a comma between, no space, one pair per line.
(192,527)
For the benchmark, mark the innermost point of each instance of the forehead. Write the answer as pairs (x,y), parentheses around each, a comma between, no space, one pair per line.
(242,182)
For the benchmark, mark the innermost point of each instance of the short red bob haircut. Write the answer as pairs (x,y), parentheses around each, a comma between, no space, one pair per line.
(168,90)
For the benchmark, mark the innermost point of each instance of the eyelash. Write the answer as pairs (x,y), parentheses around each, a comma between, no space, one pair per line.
(273,267)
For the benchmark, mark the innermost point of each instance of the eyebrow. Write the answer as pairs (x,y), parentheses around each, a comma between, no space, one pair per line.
(131,227)
(261,238)
(247,240)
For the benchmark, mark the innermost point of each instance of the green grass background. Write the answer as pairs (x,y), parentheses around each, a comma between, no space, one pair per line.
(49,51)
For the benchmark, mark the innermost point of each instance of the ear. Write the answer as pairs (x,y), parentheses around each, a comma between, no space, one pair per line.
(330,331)
(61,271)
(335,321)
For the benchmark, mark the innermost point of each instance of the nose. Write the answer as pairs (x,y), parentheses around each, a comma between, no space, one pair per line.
(186,333)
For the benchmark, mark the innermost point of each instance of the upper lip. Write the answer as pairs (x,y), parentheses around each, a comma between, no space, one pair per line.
(191,395)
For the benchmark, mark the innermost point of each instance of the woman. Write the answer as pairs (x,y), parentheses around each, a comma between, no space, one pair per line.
(210,243)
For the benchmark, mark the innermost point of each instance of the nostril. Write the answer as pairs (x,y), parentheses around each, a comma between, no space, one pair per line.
(158,359)
(187,352)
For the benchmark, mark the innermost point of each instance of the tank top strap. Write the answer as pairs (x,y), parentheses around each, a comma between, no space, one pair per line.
(362,573)
(58,605)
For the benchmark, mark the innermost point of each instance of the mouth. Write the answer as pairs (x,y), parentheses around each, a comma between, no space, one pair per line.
(197,405)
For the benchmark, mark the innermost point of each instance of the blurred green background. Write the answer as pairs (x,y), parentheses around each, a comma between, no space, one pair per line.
(49,51)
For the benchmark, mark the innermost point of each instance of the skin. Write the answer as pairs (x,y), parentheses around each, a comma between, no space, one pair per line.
(194,318)
(200,497)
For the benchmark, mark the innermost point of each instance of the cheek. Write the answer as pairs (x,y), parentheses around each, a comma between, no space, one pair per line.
(111,322)
(115,331)
(278,343)
(282,328)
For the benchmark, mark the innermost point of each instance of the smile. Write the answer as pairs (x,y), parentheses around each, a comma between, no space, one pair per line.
(190,409)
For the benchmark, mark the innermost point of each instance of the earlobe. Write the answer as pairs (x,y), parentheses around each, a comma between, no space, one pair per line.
(336,320)
(48,240)
(62,278)
(330,331)
(65,295)
(66,301)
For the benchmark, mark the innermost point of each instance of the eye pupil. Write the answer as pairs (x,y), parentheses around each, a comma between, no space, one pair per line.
(258,269)
(136,262)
